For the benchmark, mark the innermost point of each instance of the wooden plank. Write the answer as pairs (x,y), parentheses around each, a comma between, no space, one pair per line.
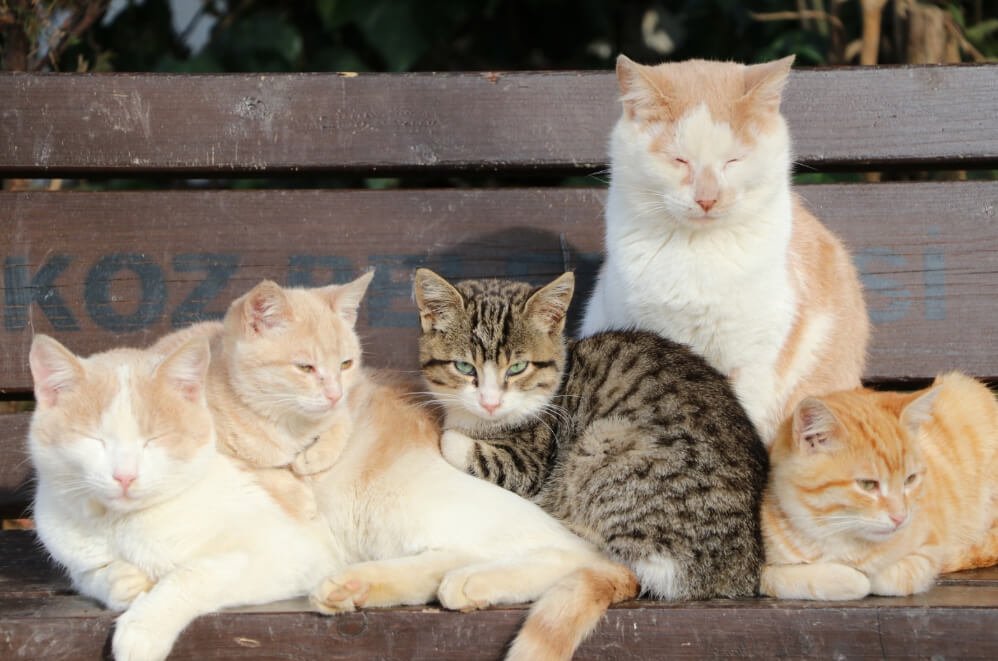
(106,269)
(16,474)
(72,628)
(41,619)
(267,124)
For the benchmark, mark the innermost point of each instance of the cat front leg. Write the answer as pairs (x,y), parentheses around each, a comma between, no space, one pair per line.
(820,580)
(321,455)
(499,461)
(911,574)
(406,581)
(151,625)
(509,581)
(458,449)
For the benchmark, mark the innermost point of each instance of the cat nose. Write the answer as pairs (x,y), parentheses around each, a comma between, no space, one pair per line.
(333,396)
(707,204)
(897,519)
(124,479)
(489,406)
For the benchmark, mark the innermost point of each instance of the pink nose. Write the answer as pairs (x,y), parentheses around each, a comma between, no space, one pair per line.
(491,408)
(333,397)
(897,519)
(125,480)
(706,205)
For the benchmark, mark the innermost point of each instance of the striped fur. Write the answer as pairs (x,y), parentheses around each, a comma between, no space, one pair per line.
(877,492)
(644,450)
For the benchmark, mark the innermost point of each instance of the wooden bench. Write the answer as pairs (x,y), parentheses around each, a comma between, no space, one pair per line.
(121,267)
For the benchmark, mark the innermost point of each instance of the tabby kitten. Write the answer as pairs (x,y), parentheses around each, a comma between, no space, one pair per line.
(879,492)
(707,244)
(633,441)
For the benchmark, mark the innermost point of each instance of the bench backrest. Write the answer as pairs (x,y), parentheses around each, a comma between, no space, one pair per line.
(100,269)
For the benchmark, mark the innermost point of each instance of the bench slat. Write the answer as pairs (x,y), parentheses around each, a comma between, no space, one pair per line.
(123,268)
(952,620)
(204,125)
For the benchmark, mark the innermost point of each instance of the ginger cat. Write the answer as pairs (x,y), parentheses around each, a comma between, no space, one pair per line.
(707,245)
(135,501)
(879,492)
(281,362)
(416,528)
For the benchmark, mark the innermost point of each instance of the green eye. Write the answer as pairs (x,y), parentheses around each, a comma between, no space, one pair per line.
(464,368)
(868,485)
(516,368)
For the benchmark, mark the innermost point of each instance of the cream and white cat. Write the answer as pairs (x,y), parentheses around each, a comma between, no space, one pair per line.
(134,500)
(416,528)
(707,245)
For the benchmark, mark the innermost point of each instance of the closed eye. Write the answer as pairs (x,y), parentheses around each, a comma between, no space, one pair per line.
(305,367)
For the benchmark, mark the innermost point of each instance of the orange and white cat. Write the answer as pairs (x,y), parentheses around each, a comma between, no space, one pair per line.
(415,528)
(707,245)
(278,399)
(879,492)
(135,501)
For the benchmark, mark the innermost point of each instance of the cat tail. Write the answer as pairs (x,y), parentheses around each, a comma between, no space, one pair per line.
(568,612)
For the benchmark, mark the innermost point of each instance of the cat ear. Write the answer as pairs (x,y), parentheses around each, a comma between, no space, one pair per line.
(438,301)
(345,299)
(815,427)
(186,368)
(54,369)
(548,306)
(764,82)
(265,307)
(637,91)
(919,411)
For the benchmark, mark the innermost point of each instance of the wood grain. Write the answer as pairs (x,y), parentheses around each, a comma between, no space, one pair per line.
(41,619)
(266,124)
(123,268)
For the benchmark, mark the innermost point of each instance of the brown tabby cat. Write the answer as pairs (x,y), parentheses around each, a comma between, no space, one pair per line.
(879,492)
(633,441)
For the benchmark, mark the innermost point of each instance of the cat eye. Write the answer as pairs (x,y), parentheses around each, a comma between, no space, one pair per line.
(681,161)
(305,367)
(911,479)
(464,368)
(733,160)
(346,364)
(868,485)
(516,368)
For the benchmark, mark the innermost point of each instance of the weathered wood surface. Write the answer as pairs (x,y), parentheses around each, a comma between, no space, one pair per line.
(40,618)
(129,124)
(105,269)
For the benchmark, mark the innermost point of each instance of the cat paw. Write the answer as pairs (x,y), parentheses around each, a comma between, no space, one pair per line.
(340,594)
(903,578)
(136,640)
(465,591)
(456,448)
(842,583)
(126,582)
(314,460)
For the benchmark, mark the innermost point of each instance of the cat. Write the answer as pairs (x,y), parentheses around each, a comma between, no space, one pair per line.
(707,245)
(631,440)
(136,503)
(414,528)
(285,422)
(879,492)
